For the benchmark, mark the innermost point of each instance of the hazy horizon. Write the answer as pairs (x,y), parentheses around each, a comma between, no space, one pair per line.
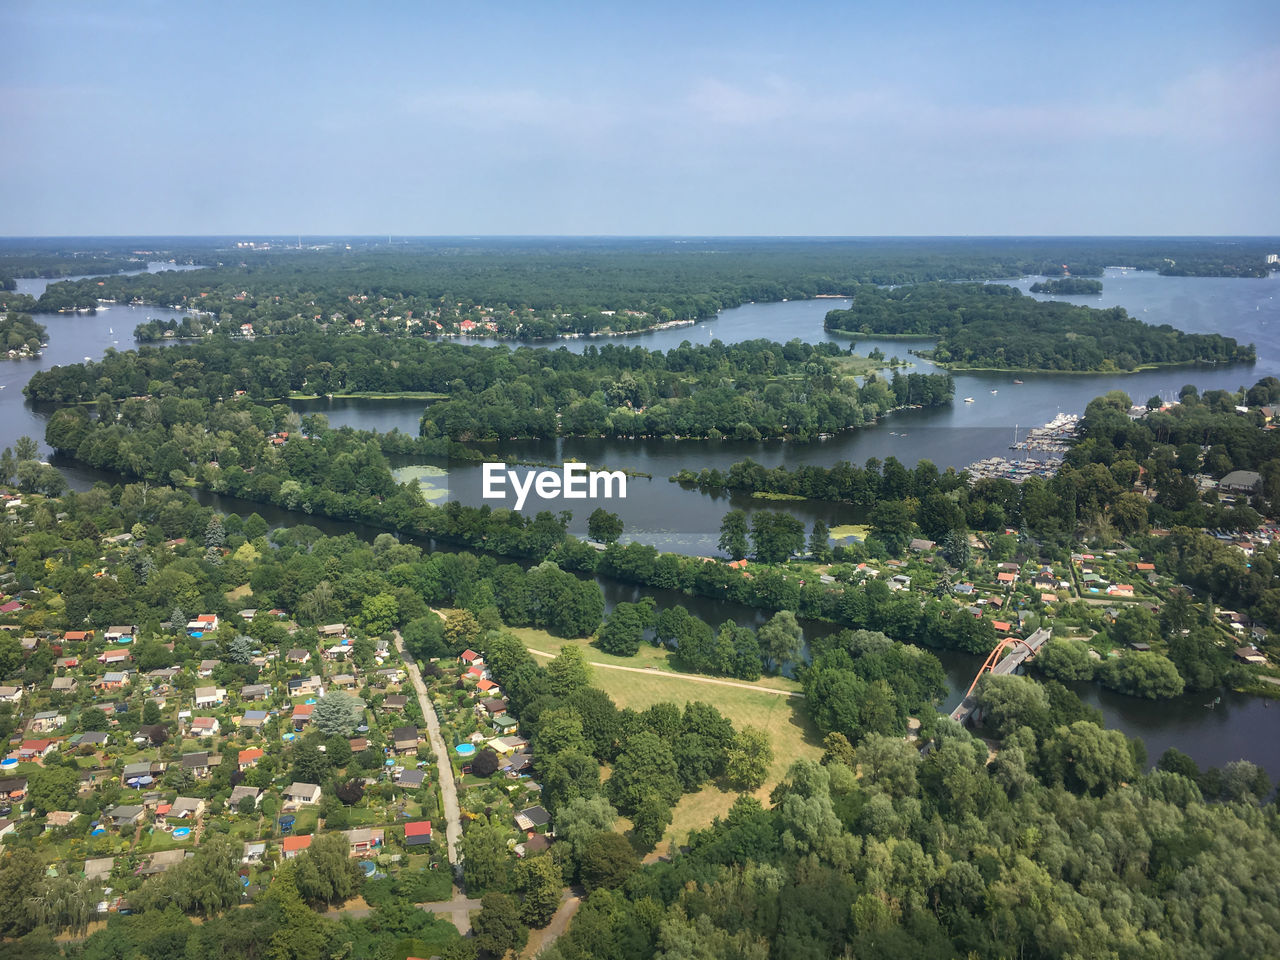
(671,120)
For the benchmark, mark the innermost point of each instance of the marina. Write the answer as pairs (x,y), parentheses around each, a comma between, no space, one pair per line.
(1054,437)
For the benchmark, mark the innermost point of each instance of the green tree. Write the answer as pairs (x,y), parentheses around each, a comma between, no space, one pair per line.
(486,860)
(775,536)
(607,860)
(1147,675)
(497,928)
(650,822)
(52,788)
(1065,661)
(1089,759)
(582,818)
(380,612)
(604,526)
(820,542)
(569,672)
(890,523)
(539,881)
(325,872)
(337,714)
(65,904)
(781,639)
(749,759)
(645,765)
(733,534)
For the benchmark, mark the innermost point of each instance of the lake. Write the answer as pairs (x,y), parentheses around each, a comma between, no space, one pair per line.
(661,513)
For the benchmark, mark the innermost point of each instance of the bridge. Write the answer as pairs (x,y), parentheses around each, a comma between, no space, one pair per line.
(999,664)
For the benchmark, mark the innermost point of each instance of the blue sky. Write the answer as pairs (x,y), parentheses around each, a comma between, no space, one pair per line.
(654,118)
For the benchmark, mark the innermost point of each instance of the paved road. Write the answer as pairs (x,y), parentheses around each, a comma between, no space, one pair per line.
(459,910)
(649,671)
(448,791)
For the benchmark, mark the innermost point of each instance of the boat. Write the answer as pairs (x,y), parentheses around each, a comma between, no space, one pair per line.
(1017,381)
(968,399)
(993,393)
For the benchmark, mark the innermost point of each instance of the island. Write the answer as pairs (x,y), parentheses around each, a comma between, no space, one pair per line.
(981,326)
(20,336)
(1067,286)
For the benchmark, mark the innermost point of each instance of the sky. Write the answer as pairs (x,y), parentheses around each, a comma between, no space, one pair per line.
(548,118)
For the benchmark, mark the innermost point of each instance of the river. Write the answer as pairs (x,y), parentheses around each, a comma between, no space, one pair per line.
(661,513)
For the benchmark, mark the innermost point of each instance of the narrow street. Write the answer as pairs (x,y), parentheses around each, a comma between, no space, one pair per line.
(448,791)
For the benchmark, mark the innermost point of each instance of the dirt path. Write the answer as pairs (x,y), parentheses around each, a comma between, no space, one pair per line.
(539,940)
(448,791)
(652,672)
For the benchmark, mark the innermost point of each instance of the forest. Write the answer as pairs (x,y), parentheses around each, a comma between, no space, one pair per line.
(20,336)
(1067,285)
(744,391)
(991,326)
(532,289)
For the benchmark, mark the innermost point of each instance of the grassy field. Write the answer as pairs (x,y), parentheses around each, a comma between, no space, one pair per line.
(783,718)
(648,656)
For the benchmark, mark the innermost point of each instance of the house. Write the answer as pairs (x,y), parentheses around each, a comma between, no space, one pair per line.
(114,657)
(412,779)
(197,764)
(205,623)
(204,726)
(162,675)
(10,694)
(185,807)
(301,794)
(358,744)
(13,789)
(488,686)
(77,636)
(209,696)
(343,681)
(297,655)
(60,818)
(964,589)
(46,721)
(124,816)
(302,715)
(920,546)
(255,691)
(469,656)
(254,851)
(1241,481)
(253,720)
(405,739)
(293,846)
(518,764)
(1140,647)
(113,680)
(505,724)
(36,749)
(241,792)
(120,634)
(141,774)
(332,630)
(91,738)
(1006,577)
(532,818)
(305,686)
(247,614)
(64,685)
(1001,626)
(206,668)
(417,834)
(494,706)
(1144,567)
(1120,589)
(900,581)
(249,758)
(161,861)
(1250,655)
(363,841)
